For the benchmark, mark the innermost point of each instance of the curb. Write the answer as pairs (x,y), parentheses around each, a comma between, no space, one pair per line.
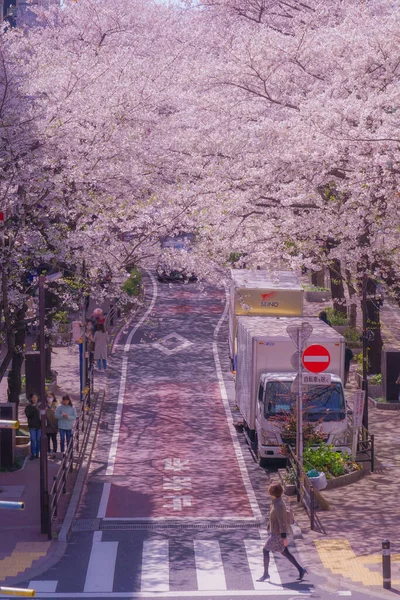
(82,475)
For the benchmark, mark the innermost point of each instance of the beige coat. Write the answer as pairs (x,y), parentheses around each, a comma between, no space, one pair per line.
(277,516)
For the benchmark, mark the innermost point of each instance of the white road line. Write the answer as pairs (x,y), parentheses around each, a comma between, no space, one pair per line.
(101,568)
(43,586)
(146,314)
(238,451)
(209,567)
(121,395)
(101,513)
(255,559)
(180,594)
(112,455)
(155,566)
(177,518)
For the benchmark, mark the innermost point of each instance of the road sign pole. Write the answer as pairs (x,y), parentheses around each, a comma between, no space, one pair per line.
(299,427)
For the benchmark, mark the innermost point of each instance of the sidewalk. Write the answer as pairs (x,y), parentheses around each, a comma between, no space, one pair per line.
(25,553)
(365,513)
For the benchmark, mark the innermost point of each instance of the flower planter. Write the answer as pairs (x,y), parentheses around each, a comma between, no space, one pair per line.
(320,296)
(384,405)
(343,480)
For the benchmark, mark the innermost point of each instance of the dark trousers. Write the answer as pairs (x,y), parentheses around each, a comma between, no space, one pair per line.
(53,438)
(65,433)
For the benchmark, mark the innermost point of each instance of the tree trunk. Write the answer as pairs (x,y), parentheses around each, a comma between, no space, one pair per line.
(373,326)
(337,288)
(353,305)
(318,278)
(14,375)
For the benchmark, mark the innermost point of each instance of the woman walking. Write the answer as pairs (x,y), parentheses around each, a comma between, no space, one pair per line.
(51,424)
(100,346)
(278,527)
(66,415)
(32,412)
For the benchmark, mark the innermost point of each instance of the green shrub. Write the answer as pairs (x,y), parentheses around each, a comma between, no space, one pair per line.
(133,284)
(336,317)
(352,336)
(376,379)
(325,459)
(314,288)
(61,317)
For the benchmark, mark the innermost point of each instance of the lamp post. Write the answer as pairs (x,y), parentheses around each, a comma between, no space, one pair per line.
(365,349)
(44,486)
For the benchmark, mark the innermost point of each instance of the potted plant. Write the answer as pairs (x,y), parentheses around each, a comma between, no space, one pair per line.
(314,293)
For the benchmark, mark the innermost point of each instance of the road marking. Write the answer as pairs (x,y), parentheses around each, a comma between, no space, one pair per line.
(238,451)
(180,594)
(101,568)
(43,586)
(112,455)
(255,559)
(155,566)
(146,314)
(101,513)
(209,567)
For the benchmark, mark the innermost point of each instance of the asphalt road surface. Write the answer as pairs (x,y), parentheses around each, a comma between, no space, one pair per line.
(174,504)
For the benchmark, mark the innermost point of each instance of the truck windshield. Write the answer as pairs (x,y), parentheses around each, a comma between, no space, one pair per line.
(319,402)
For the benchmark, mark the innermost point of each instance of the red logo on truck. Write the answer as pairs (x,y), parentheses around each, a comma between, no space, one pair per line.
(265,296)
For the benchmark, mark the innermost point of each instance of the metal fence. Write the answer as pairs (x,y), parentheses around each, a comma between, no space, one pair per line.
(72,458)
(305,490)
(366,447)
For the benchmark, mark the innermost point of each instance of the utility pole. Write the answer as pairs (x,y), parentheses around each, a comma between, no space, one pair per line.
(44,492)
(365,348)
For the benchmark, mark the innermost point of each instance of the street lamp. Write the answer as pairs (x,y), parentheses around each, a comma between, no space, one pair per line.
(44,491)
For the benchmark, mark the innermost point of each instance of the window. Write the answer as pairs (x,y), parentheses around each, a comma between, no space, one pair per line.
(319,402)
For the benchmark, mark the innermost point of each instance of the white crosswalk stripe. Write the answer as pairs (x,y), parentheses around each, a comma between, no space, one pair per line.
(155,566)
(153,563)
(209,568)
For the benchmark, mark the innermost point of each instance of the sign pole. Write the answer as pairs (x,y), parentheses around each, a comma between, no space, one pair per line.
(299,428)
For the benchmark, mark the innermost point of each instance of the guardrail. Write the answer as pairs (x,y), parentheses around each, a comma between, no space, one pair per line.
(305,491)
(72,458)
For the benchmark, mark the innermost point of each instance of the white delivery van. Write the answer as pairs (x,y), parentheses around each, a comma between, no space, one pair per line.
(264,378)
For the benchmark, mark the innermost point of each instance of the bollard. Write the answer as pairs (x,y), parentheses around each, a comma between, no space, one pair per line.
(387,583)
(9,424)
(12,505)
(6,591)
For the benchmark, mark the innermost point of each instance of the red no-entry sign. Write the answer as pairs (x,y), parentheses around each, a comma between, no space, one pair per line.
(316,358)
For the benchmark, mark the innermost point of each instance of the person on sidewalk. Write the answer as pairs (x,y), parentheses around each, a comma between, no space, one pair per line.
(324,317)
(32,412)
(66,415)
(90,342)
(100,346)
(51,424)
(277,540)
(348,357)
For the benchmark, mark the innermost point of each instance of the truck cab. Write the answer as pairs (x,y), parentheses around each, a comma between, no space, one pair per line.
(323,405)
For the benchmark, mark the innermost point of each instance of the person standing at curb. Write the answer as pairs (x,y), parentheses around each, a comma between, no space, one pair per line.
(66,415)
(100,346)
(277,540)
(51,424)
(348,357)
(32,413)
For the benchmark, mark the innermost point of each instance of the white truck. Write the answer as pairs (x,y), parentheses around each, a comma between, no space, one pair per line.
(261,293)
(264,378)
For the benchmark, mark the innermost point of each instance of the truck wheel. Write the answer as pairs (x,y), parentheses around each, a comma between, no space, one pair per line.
(263,462)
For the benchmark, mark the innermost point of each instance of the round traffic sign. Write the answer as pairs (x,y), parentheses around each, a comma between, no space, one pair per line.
(316,358)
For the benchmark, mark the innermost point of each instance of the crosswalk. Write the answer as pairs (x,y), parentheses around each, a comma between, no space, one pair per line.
(205,567)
